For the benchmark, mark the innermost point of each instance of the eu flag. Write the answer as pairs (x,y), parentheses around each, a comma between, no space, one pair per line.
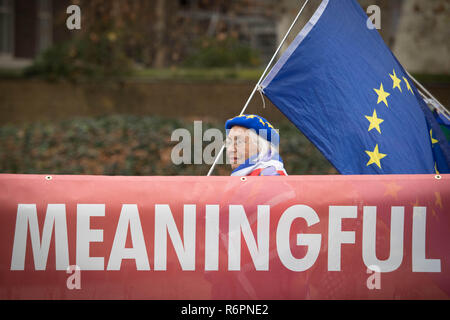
(343,88)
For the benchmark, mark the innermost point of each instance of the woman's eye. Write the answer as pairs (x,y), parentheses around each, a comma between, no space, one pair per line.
(237,141)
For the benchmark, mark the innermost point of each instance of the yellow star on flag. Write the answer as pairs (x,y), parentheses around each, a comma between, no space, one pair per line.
(382,95)
(375,156)
(407,85)
(374,121)
(435,168)
(433,141)
(396,81)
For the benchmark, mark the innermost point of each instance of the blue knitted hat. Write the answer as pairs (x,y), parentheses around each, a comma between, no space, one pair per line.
(252,121)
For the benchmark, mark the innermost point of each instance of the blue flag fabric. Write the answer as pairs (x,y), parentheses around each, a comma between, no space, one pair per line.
(444,123)
(343,88)
(439,142)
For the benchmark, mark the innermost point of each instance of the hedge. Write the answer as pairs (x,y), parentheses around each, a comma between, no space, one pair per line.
(127,145)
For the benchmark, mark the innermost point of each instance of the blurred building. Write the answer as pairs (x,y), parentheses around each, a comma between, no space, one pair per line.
(28,27)
(417,31)
(254,21)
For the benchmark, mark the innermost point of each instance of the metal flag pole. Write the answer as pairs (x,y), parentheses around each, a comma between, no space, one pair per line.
(438,105)
(259,81)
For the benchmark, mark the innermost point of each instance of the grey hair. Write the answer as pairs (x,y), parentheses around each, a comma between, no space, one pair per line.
(264,147)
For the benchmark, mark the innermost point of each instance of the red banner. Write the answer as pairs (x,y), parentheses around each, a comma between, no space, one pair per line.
(295,237)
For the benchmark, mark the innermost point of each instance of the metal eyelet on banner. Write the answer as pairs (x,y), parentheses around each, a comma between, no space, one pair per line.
(243,179)
(48,177)
(438,176)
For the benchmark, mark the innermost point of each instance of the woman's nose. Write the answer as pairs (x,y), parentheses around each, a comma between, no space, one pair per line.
(231,146)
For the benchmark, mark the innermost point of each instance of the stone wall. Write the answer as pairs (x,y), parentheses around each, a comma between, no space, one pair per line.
(24,100)
(30,100)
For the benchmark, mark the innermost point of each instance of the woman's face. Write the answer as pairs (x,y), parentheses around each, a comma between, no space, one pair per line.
(240,146)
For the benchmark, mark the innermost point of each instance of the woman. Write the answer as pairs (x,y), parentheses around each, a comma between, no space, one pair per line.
(252,147)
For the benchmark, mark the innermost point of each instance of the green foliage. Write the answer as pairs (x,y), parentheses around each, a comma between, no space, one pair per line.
(219,53)
(199,74)
(94,57)
(127,145)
